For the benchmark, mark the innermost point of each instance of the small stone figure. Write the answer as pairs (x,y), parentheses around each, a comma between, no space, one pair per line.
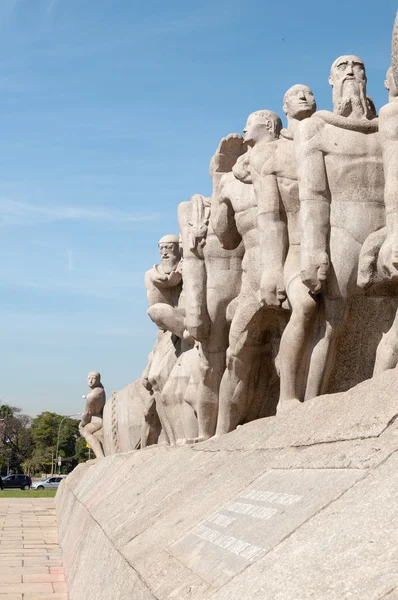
(90,426)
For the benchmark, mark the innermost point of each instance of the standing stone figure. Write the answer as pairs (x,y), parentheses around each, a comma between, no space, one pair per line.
(279,231)
(387,264)
(212,278)
(341,188)
(234,220)
(90,426)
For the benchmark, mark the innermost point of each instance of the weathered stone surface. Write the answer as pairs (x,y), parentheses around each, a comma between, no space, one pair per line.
(123,417)
(142,508)
(257,519)
(348,550)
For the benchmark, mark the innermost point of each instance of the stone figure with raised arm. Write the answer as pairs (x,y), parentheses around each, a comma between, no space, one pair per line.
(91,424)
(212,278)
(244,386)
(279,231)
(341,189)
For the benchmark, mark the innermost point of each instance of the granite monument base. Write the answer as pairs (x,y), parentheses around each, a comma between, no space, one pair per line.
(297,506)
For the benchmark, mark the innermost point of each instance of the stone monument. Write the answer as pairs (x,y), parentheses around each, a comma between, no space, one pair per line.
(287,274)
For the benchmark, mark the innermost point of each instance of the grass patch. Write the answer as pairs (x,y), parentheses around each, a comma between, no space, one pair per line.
(27,493)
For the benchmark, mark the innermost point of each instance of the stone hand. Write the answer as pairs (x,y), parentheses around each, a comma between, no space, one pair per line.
(314,270)
(272,290)
(229,149)
(157,276)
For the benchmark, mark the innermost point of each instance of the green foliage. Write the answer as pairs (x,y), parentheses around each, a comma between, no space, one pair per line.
(81,451)
(16,442)
(30,446)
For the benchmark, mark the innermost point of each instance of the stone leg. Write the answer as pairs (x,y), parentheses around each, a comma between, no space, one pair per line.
(248,343)
(167,318)
(188,413)
(171,400)
(387,350)
(296,342)
(89,433)
(151,426)
(341,285)
(212,368)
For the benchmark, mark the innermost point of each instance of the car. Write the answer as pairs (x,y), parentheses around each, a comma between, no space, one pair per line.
(48,483)
(23,482)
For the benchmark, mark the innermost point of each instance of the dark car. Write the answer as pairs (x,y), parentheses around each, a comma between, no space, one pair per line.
(23,482)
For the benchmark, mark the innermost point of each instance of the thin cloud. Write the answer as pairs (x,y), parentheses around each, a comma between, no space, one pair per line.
(51,4)
(13,212)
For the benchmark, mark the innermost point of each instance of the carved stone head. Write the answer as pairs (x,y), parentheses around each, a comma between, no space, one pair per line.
(262,124)
(169,248)
(94,379)
(299,102)
(348,79)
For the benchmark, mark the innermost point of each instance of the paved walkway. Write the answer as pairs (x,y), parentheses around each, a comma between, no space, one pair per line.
(30,557)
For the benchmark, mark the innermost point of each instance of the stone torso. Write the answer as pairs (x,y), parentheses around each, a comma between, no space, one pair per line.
(282,163)
(158,294)
(355,178)
(243,201)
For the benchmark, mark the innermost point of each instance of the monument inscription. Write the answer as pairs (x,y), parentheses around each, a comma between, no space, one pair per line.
(256,520)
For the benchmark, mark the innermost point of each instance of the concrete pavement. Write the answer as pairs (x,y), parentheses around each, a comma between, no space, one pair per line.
(30,557)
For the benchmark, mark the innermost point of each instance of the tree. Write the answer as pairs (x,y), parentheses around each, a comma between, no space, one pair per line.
(45,428)
(81,451)
(16,442)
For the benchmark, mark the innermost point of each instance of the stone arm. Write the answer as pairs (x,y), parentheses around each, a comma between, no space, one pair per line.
(161,280)
(88,411)
(388,129)
(95,401)
(223,218)
(273,234)
(314,203)
(194,280)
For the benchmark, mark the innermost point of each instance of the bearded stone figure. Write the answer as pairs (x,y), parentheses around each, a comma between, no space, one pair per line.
(164,285)
(341,189)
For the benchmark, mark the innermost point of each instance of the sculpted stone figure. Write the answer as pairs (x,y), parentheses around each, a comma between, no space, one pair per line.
(341,188)
(234,220)
(164,284)
(212,278)
(173,361)
(279,230)
(91,424)
(387,260)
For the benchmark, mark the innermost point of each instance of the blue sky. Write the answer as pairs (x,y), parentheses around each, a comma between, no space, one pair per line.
(110,111)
